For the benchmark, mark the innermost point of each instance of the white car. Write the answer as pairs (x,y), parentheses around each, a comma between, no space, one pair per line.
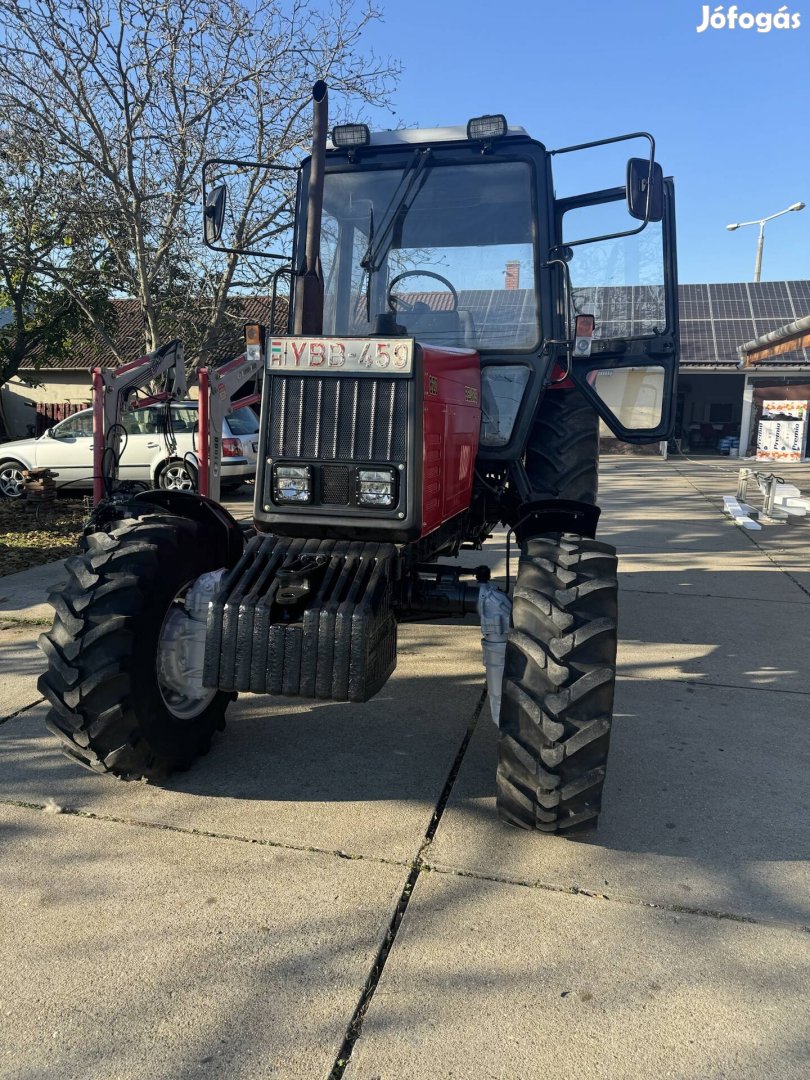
(67,449)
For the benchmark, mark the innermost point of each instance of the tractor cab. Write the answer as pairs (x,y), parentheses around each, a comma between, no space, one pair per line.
(438,240)
(455,237)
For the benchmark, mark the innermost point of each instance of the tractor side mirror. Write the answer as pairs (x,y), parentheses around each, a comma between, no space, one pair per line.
(214,213)
(645,189)
(247,205)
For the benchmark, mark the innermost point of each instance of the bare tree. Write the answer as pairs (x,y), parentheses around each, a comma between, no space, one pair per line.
(131,96)
(38,221)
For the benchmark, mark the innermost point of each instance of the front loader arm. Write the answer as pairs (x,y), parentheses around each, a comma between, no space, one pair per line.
(217,387)
(112,387)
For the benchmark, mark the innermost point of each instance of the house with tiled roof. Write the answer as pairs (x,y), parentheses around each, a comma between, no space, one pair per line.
(59,386)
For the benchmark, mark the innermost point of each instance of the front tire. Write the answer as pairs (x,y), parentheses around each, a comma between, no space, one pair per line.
(558,684)
(108,709)
(12,484)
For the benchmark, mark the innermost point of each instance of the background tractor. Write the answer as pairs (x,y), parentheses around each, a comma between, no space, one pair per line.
(456,331)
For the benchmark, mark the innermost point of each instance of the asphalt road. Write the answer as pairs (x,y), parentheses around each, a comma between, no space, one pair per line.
(330,892)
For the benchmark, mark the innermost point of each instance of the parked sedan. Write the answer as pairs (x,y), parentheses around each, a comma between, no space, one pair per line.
(67,449)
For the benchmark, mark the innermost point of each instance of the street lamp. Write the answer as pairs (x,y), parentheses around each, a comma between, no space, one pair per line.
(761,242)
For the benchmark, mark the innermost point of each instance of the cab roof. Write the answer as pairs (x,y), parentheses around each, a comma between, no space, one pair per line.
(409,136)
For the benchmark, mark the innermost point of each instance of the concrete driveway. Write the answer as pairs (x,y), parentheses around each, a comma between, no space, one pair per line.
(330,893)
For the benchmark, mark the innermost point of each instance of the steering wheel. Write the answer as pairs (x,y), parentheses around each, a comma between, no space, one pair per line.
(396,303)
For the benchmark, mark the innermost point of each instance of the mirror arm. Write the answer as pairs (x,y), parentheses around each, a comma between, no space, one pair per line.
(207,164)
(605,142)
(607,236)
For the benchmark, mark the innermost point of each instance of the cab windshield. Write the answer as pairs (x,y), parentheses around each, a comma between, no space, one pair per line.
(447,248)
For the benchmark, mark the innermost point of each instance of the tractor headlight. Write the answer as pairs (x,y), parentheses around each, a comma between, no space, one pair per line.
(376,487)
(292,484)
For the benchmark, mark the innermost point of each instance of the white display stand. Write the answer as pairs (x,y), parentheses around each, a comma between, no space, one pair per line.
(782,431)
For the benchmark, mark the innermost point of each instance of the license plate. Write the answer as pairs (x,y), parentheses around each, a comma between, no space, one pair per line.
(335,356)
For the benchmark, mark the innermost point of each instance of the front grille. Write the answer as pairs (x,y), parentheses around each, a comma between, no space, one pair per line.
(338,418)
(335,485)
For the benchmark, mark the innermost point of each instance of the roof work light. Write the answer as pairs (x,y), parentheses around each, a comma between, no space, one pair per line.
(351,135)
(487,127)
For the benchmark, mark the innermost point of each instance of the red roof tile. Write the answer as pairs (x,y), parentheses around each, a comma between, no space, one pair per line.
(92,352)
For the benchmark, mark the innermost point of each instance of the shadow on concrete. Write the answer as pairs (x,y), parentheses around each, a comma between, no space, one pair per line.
(490,980)
(704,802)
(273,751)
(19,654)
(146,956)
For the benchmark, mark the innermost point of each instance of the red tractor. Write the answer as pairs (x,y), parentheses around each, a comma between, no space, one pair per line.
(455,334)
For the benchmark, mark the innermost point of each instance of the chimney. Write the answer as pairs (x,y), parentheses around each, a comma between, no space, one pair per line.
(512,274)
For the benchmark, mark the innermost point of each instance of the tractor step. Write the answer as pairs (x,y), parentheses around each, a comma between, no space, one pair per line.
(304,618)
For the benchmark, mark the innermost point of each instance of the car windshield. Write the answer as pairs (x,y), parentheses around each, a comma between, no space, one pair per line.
(243,422)
(447,248)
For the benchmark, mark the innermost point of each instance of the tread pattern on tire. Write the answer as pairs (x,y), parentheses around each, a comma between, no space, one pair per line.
(100,677)
(562,455)
(558,685)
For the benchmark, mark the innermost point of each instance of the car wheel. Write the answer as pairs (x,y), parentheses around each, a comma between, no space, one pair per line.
(178,476)
(12,485)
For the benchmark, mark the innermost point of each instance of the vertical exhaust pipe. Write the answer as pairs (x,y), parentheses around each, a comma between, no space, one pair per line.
(309,280)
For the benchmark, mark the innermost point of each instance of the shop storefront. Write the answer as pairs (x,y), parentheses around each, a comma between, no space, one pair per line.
(762,389)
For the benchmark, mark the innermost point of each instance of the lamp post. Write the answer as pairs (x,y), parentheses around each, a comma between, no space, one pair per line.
(761,241)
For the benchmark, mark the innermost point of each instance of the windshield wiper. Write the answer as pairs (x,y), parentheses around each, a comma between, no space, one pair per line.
(412,178)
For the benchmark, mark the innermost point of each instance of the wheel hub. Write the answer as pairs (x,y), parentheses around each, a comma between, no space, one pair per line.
(11,482)
(181,649)
(176,478)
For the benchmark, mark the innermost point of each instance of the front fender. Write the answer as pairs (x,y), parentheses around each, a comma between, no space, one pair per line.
(198,508)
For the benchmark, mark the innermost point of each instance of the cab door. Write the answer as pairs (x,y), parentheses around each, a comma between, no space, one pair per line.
(626,279)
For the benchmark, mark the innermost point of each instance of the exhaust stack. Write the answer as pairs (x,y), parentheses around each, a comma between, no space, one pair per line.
(309,280)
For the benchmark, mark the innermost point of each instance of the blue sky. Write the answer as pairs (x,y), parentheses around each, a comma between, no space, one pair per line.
(729,109)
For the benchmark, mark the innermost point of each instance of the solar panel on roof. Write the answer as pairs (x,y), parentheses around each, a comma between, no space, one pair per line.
(716,318)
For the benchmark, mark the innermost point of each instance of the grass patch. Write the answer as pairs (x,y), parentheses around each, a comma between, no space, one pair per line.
(31,539)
